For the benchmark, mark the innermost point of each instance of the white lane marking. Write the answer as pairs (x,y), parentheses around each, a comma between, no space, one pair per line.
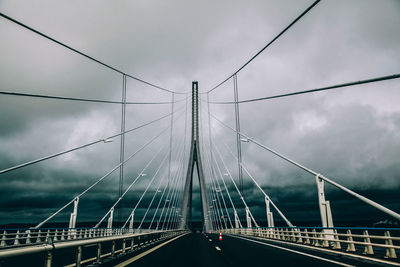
(218,248)
(298,252)
(127,262)
(209,240)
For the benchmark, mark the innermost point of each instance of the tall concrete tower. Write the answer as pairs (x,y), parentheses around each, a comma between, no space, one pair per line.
(195,158)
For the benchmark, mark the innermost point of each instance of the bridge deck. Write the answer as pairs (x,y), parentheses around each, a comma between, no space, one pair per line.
(206,250)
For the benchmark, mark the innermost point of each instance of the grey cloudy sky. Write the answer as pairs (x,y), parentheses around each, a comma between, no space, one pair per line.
(350,135)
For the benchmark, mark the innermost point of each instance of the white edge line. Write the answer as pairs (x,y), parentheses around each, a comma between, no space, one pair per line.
(331,252)
(141,255)
(295,251)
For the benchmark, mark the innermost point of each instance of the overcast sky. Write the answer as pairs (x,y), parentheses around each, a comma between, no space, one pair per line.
(351,135)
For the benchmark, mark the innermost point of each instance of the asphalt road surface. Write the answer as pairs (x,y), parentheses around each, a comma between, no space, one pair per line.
(197,249)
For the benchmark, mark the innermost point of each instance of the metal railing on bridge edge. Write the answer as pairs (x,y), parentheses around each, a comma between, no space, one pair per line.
(18,242)
(373,243)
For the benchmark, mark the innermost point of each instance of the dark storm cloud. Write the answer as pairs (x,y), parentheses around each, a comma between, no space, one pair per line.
(349,135)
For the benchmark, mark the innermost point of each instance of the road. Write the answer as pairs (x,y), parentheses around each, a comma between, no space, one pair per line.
(206,250)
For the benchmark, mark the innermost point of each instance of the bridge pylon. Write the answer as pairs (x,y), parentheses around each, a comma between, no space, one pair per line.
(195,158)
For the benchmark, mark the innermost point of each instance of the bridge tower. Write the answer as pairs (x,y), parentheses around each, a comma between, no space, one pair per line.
(195,158)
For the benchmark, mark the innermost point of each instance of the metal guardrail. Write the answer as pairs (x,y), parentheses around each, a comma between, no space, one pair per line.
(22,237)
(21,242)
(372,242)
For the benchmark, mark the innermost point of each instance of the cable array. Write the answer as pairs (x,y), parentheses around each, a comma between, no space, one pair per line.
(83,54)
(243,137)
(267,45)
(331,87)
(103,177)
(87,99)
(104,140)
(360,197)
(220,180)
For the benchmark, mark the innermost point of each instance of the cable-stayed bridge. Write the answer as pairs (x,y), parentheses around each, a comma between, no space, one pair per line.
(162,231)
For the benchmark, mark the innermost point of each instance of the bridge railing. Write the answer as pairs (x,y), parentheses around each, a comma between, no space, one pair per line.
(23,237)
(116,241)
(383,243)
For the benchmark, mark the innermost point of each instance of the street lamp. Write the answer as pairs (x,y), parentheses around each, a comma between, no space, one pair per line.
(246,140)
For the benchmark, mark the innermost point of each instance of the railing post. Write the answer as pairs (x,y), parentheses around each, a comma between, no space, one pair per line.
(3,239)
(350,244)
(390,252)
(48,259)
(285,234)
(315,238)
(38,240)
(307,237)
(28,236)
(274,233)
(337,240)
(278,233)
(98,253)
(62,235)
(113,248)
(367,240)
(324,242)
(16,242)
(55,237)
(293,237)
(299,236)
(132,243)
(123,245)
(78,256)
(47,236)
